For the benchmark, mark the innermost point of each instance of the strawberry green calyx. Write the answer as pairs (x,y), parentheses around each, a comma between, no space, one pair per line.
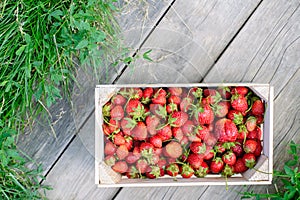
(227,171)
(131,123)
(238,118)
(162,111)
(155,171)
(145,100)
(228,145)
(187,171)
(106,110)
(198,93)
(139,113)
(201,172)
(173,169)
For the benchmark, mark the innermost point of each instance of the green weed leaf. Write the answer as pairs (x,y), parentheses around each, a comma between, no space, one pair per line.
(82,44)
(146,55)
(20,50)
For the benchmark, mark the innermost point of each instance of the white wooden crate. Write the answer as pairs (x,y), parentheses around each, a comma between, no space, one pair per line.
(103,93)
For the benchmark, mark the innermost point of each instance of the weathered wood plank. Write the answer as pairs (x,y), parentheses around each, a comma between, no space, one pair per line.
(39,142)
(189,40)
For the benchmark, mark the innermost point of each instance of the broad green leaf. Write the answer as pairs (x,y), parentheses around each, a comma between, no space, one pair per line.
(82,44)
(20,50)
(56,14)
(288,170)
(291,163)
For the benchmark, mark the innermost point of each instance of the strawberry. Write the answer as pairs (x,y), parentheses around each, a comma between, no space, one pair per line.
(178,118)
(176,91)
(197,93)
(132,105)
(255,134)
(242,132)
(216,165)
(177,133)
(185,104)
(212,95)
(221,109)
(154,172)
(110,160)
(174,149)
(209,153)
(225,130)
(122,152)
(157,151)
(202,171)
(258,107)
(229,158)
(118,139)
(186,171)
(259,119)
(188,128)
(159,100)
(239,103)
(128,142)
(131,93)
(210,140)
(198,147)
(127,124)
(224,92)
(158,110)
(131,158)
(106,129)
(235,116)
(132,172)
(120,167)
(258,149)
(251,123)
(239,166)
(160,91)
(241,90)
(147,95)
(228,171)
(146,146)
(184,140)
(165,133)
(171,107)
(141,165)
(162,162)
(201,131)
(152,122)
(156,141)
(118,100)
(136,152)
(172,169)
(250,146)
(219,148)
(174,99)
(106,109)
(237,149)
(114,125)
(194,138)
(140,131)
(249,160)
(195,160)
(206,116)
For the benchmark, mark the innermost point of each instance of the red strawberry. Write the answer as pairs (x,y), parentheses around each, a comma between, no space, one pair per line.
(206,116)
(186,171)
(239,166)
(219,148)
(177,133)
(162,162)
(227,171)
(216,165)
(241,90)
(243,132)
(140,131)
(178,118)
(132,172)
(177,91)
(188,128)
(258,107)
(237,149)
(118,139)
(225,130)
(160,91)
(146,146)
(158,110)
(249,160)
(202,171)
(118,100)
(239,103)
(147,95)
(229,158)
(157,151)
(122,152)
(128,142)
(255,134)
(195,160)
(172,169)
(260,119)
(127,124)
(136,152)
(194,138)
(165,133)
(184,140)
(251,123)
(209,153)
(250,146)
(106,130)
(171,107)
(141,165)
(110,160)
(225,92)
(185,104)
(221,109)
(210,140)
(114,125)
(120,167)
(131,158)
(235,116)
(159,100)
(152,122)
(132,105)
(174,149)
(212,95)
(156,141)
(154,172)
(198,147)
(258,149)
(202,131)
(174,99)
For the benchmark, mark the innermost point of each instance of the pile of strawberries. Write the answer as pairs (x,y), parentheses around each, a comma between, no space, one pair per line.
(150,132)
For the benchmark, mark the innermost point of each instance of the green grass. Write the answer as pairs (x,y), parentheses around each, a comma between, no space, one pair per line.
(41,44)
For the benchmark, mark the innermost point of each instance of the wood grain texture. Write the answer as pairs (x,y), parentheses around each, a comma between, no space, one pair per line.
(189,40)
(39,142)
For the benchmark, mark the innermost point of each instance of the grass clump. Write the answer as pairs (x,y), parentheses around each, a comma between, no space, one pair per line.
(41,44)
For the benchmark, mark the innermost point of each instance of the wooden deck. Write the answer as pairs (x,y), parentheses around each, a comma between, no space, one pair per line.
(191,41)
